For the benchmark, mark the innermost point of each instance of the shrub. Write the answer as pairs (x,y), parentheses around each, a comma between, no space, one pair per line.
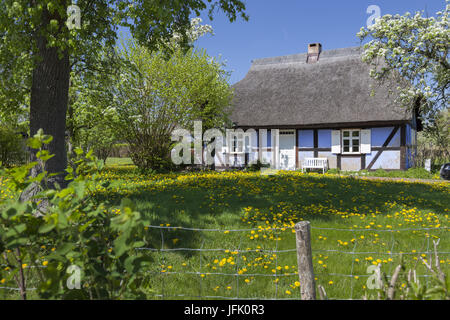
(257,166)
(12,148)
(381,173)
(407,285)
(153,155)
(100,138)
(156,94)
(418,173)
(120,150)
(75,230)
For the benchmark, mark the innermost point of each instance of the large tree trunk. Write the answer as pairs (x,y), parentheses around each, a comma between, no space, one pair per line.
(49,99)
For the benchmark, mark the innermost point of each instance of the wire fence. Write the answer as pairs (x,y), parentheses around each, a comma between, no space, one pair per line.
(166,253)
(201,273)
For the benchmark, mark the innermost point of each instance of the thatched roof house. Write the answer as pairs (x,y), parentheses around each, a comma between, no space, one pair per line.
(326,106)
(288,91)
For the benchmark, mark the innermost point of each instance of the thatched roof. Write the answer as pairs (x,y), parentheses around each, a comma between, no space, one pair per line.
(284,91)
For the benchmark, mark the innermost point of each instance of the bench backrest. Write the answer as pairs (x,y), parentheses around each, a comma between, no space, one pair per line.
(315,162)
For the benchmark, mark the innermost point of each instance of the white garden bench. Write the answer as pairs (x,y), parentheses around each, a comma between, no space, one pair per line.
(315,163)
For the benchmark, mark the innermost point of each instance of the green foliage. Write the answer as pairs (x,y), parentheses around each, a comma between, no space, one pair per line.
(74,230)
(333,171)
(87,118)
(436,290)
(434,142)
(418,173)
(12,148)
(412,173)
(404,285)
(119,150)
(154,94)
(381,173)
(257,166)
(93,134)
(31,33)
(152,22)
(105,108)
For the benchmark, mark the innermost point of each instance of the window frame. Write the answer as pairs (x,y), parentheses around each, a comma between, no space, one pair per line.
(237,142)
(350,139)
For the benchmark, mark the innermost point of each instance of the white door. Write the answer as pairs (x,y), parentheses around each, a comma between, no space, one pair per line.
(287,153)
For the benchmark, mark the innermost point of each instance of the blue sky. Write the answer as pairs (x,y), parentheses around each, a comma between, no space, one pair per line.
(281,27)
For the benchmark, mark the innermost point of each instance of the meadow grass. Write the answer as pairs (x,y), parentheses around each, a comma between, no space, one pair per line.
(374,215)
(355,223)
(118,161)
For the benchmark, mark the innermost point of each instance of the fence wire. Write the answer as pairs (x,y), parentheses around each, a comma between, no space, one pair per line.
(163,251)
(277,251)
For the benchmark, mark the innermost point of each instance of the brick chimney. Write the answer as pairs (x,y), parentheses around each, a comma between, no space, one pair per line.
(314,50)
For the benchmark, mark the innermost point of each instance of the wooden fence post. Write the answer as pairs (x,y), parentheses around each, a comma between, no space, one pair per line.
(304,260)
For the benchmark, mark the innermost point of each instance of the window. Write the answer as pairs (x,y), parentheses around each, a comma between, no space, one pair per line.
(237,143)
(351,141)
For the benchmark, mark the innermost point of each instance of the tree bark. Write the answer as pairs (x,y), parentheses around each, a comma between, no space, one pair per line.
(49,98)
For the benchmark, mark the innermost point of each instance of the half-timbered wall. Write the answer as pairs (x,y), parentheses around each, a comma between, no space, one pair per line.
(386,152)
(391,148)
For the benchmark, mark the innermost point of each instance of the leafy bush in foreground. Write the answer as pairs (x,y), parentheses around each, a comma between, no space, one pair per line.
(74,233)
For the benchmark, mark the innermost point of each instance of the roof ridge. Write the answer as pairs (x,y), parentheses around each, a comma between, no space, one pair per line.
(301,57)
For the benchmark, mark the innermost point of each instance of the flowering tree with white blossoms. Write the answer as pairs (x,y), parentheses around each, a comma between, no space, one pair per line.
(196,31)
(414,48)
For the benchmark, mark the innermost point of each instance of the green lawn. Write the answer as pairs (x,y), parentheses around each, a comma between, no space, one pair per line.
(355,223)
(369,212)
(118,162)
